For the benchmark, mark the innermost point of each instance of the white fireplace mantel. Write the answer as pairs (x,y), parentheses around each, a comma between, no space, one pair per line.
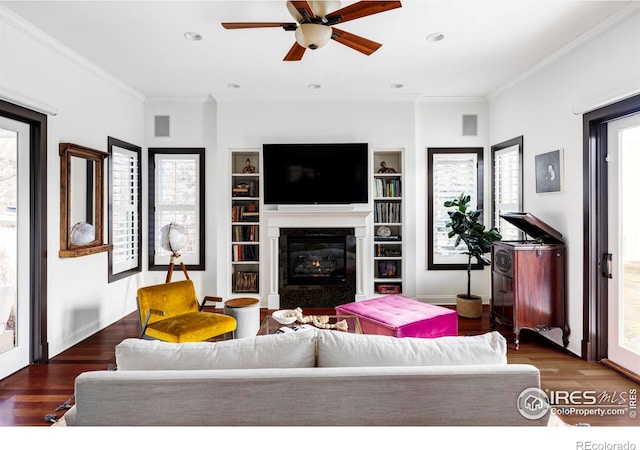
(313,217)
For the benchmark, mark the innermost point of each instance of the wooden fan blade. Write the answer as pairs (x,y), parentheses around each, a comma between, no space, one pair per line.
(360,9)
(354,41)
(304,9)
(239,25)
(296,53)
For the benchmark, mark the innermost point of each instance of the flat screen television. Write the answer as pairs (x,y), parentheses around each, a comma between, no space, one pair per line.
(315,174)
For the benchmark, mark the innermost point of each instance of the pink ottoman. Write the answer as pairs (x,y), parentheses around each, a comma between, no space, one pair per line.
(395,315)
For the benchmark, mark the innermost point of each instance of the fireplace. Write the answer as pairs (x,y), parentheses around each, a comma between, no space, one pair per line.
(318,267)
(316,260)
(346,221)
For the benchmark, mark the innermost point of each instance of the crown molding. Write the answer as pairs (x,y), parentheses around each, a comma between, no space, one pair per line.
(452,99)
(27,102)
(622,15)
(178,99)
(22,26)
(331,97)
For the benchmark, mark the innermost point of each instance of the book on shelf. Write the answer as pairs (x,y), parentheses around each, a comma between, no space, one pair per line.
(387,212)
(245,213)
(245,233)
(241,252)
(382,250)
(387,187)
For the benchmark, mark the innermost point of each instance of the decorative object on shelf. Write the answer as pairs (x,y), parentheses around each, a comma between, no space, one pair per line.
(387,269)
(248,168)
(465,224)
(549,172)
(388,289)
(383,231)
(246,282)
(173,238)
(241,190)
(82,233)
(384,169)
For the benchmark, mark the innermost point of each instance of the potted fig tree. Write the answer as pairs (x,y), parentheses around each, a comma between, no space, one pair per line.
(465,225)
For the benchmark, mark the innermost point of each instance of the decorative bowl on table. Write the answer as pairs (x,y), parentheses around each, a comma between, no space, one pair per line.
(284,316)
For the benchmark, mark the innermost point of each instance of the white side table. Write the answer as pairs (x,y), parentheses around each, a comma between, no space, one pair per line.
(246,311)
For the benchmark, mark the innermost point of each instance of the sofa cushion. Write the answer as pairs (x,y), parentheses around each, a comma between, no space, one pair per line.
(337,349)
(270,351)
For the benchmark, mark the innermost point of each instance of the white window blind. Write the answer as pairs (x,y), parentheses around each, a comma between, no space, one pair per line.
(453,173)
(126,221)
(177,199)
(506,189)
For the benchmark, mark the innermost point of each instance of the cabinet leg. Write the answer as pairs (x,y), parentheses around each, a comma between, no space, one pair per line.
(516,339)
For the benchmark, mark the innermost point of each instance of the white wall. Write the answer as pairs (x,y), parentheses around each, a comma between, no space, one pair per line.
(249,124)
(541,108)
(439,124)
(192,124)
(91,106)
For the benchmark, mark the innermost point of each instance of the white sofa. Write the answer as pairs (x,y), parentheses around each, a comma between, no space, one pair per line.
(323,378)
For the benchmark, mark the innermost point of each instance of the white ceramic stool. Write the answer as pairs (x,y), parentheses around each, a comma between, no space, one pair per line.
(246,310)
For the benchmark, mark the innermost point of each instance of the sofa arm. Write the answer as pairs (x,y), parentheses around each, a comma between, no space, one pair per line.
(71,417)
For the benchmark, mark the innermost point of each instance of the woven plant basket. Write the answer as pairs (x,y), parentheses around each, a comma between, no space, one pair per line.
(470,308)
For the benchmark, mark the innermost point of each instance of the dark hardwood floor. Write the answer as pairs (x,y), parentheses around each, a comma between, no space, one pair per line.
(36,391)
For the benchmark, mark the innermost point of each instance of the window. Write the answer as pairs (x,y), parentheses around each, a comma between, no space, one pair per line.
(507,185)
(451,171)
(176,184)
(125,209)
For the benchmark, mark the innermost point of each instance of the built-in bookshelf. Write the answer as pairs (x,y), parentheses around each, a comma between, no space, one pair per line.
(245,221)
(387,221)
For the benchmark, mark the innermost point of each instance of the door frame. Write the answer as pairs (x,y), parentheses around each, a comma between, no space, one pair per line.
(595,224)
(38,345)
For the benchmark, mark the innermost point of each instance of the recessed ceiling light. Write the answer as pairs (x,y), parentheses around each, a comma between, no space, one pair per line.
(314,86)
(397,86)
(435,37)
(233,86)
(193,36)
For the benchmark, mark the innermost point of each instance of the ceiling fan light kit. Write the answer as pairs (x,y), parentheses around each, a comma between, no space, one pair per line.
(314,25)
(312,35)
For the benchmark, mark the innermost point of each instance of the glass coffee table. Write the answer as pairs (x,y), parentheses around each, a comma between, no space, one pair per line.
(271,325)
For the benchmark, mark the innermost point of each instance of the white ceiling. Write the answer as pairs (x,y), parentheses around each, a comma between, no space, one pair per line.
(487,45)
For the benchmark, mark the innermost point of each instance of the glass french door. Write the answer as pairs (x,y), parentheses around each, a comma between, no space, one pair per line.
(14,246)
(622,264)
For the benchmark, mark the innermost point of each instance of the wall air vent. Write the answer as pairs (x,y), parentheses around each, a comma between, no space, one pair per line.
(161,126)
(469,125)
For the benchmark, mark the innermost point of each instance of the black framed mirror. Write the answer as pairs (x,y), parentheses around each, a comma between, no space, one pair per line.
(81,200)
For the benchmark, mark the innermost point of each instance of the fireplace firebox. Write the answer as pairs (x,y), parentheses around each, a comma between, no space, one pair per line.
(316,260)
(317,267)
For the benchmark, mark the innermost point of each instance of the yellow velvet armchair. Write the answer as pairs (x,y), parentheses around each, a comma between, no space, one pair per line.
(170,312)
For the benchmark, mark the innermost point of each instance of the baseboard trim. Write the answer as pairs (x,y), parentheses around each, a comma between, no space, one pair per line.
(618,368)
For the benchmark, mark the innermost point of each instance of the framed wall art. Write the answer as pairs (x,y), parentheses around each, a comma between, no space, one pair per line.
(549,172)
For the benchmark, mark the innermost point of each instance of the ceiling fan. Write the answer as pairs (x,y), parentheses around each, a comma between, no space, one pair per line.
(315,25)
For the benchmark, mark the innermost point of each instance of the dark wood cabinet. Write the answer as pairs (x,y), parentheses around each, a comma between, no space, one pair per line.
(528,280)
